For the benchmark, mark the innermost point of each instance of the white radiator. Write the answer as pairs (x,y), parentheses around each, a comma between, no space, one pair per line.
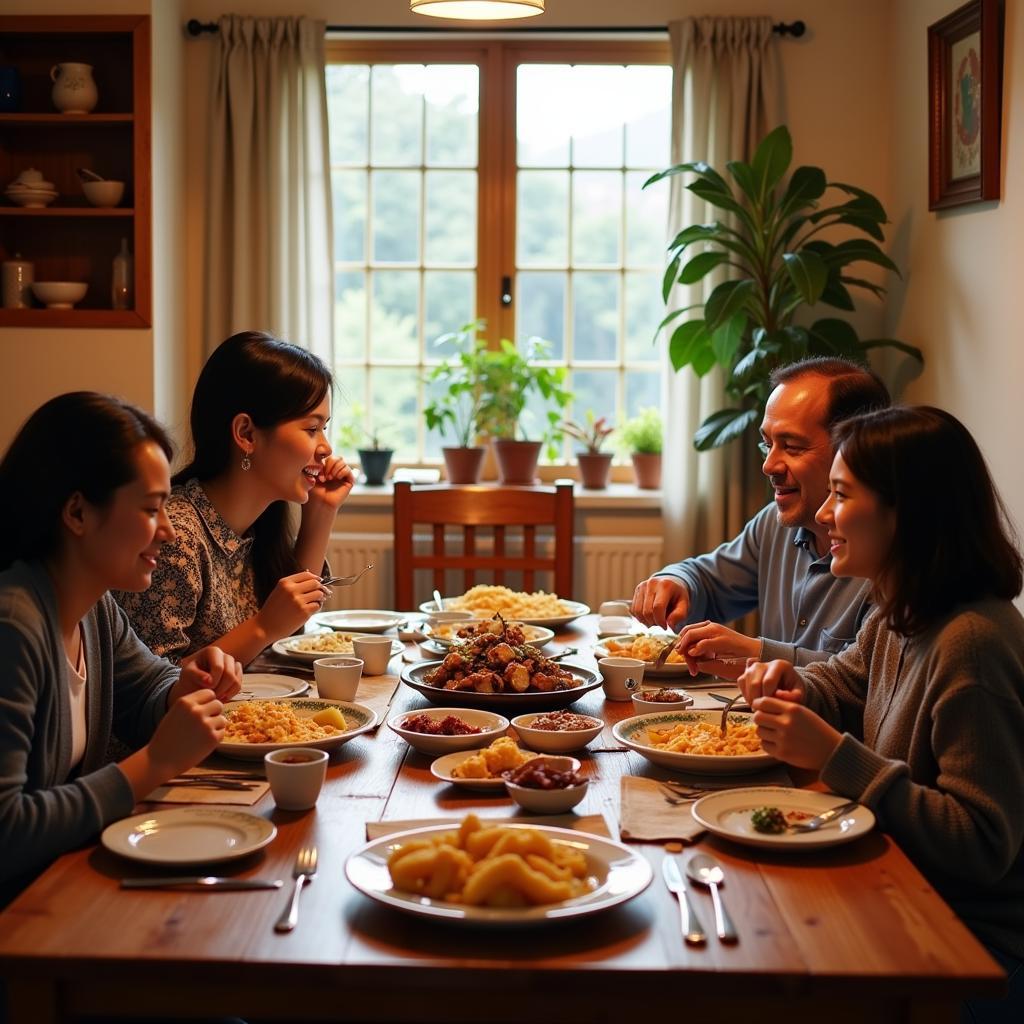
(606,567)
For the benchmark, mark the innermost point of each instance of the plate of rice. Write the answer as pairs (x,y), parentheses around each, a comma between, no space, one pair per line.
(312,646)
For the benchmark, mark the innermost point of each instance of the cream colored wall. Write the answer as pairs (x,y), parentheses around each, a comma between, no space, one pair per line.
(960,302)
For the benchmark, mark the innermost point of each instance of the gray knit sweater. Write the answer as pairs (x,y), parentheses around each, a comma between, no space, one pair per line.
(45,808)
(934,744)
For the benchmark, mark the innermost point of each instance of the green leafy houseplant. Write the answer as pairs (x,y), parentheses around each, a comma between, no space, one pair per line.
(374,457)
(591,434)
(642,434)
(778,263)
(457,408)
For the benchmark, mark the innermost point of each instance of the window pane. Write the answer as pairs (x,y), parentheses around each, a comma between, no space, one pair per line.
(596,218)
(649,121)
(646,222)
(349,192)
(452,97)
(593,390)
(350,315)
(350,399)
(396,216)
(598,109)
(393,413)
(642,389)
(434,440)
(394,318)
(541,309)
(595,320)
(449,298)
(348,112)
(644,311)
(542,218)
(543,115)
(397,114)
(451,217)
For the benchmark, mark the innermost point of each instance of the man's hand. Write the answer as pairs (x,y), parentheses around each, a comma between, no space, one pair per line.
(661,601)
(712,647)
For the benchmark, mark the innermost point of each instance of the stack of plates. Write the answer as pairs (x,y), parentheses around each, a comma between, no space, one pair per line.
(37,193)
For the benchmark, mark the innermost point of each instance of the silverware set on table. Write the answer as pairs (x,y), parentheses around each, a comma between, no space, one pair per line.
(703,870)
(228,781)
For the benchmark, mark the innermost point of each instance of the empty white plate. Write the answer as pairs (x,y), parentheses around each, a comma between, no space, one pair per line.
(270,685)
(360,620)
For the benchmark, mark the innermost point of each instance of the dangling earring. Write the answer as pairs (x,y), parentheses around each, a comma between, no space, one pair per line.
(246,463)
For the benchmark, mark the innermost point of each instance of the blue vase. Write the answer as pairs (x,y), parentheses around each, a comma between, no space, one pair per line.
(10,89)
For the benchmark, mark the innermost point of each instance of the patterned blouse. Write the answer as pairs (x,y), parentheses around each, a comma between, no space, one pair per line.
(204,583)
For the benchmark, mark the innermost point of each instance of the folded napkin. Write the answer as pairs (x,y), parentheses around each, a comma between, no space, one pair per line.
(647,816)
(594,824)
(196,794)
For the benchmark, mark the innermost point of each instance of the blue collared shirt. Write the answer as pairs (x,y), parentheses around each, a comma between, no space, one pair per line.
(807,614)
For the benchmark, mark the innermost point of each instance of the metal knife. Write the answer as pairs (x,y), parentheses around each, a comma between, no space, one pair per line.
(813,824)
(201,883)
(693,930)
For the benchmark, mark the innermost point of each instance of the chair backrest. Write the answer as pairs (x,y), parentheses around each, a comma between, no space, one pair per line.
(472,507)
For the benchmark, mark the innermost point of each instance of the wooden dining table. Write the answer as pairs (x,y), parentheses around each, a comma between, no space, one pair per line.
(849,933)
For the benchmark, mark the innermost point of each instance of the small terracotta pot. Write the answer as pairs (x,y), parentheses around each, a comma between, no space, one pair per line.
(647,468)
(463,465)
(375,463)
(517,461)
(595,468)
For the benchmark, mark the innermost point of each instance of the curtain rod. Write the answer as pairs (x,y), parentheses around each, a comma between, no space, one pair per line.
(196,28)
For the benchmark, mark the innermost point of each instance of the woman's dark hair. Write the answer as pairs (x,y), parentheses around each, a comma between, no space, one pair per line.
(953,542)
(852,389)
(273,381)
(80,442)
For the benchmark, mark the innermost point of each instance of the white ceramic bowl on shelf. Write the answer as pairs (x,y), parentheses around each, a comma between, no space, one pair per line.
(103,193)
(30,197)
(60,294)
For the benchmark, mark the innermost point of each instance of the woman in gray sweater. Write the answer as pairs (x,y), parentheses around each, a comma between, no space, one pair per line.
(922,719)
(85,483)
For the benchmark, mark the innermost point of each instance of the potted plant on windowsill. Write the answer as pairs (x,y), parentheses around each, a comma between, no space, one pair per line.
(595,465)
(374,459)
(641,437)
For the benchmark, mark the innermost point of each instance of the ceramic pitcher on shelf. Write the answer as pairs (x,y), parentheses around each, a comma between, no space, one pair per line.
(74,91)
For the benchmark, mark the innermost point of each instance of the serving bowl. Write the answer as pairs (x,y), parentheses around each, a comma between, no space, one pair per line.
(547,741)
(31,195)
(103,193)
(491,725)
(59,294)
(550,801)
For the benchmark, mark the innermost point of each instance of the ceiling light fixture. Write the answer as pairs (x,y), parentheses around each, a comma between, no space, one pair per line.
(477,10)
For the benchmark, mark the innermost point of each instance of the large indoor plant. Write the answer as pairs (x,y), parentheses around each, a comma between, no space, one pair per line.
(771,245)
(641,438)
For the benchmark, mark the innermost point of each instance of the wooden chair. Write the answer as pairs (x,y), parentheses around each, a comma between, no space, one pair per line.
(477,506)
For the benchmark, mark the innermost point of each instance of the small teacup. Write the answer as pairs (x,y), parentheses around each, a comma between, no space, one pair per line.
(614,608)
(621,677)
(337,678)
(296,776)
(375,652)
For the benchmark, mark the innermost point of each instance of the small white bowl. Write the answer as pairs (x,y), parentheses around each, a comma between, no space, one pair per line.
(550,801)
(492,727)
(60,294)
(103,193)
(644,707)
(549,742)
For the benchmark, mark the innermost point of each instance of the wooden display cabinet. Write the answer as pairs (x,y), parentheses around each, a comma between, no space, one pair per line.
(70,240)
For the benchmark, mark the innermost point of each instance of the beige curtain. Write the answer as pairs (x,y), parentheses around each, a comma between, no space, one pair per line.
(269,240)
(726,96)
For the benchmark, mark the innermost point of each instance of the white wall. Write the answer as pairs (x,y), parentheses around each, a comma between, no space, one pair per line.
(960,299)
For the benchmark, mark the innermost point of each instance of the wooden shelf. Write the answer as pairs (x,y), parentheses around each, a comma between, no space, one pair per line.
(66,211)
(55,318)
(71,120)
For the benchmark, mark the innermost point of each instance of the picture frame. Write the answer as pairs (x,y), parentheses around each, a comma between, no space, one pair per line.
(965,103)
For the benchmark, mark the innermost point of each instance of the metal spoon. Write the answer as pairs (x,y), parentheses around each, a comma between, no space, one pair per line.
(705,870)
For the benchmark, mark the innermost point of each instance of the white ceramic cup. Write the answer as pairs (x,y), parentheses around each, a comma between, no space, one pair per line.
(621,677)
(337,678)
(614,608)
(375,652)
(296,776)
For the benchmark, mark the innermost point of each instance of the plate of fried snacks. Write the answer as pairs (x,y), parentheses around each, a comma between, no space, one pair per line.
(646,647)
(483,769)
(323,645)
(538,609)
(255,727)
(692,741)
(440,638)
(502,875)
(762,816)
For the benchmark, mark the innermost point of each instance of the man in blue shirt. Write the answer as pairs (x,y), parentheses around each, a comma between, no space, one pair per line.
(780,563)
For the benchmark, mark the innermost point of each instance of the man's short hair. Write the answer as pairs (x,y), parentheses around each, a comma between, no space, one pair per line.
(852,389)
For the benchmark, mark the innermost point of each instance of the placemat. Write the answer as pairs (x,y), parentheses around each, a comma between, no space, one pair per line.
(594,824)
(194,793)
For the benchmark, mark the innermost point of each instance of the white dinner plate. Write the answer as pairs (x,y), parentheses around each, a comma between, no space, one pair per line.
(574,610)
(618,872)
(441,768)
(632,733)
(270,686)
(535,636)
(666,671)
(728,813)
(358,717)
(359,620)
(507,704)
(289,647)
(188,835)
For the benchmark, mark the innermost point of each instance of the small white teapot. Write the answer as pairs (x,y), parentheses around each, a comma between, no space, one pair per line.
(74,91)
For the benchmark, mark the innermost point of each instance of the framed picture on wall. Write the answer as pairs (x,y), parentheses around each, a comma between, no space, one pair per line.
(965,52)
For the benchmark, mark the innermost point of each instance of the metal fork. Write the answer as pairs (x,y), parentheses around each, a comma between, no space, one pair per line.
(303,872)
(663,654)
(344,581)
